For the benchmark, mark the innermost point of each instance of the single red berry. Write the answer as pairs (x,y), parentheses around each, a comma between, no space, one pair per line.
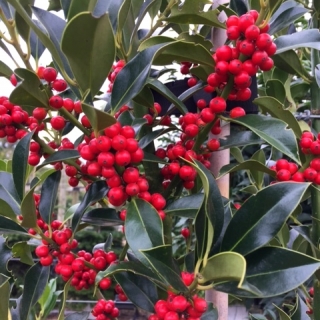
(34,159)
(59,85)
(192,81)
(283,175)
(49,74)
(105,283)
(213,144)
(13,80)
(217,105)
(42,251)
(46,261)
(185,232)
(57,123)
(237,112)
(39,113)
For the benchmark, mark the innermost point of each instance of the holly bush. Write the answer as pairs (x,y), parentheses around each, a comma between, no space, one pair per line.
(96,114)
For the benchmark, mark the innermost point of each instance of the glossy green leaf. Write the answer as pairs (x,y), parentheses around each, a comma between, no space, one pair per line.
(246,165)
(83,315)
(29,92)
(28,210)
(287,13)
(123,14)
(37,48)
(96,192)
(5,71)
(161,261)
(49,192)
(79,6)
(132,78)
(5,295)
(9,198)
(275,89)
(54,5)
(224,266)
(149,157)
(8,12)
(34,284)
(196,38)
(187,206)
(272,131)
(60,155)
(99,120)
(140,290)
(239,139)
(283,315)
(20,163)
(143,227)
(303,39)
(275,109)
(240,7)
(91,52)
(22,27)
(144,98)
(211,313)
(150,137)
(262,216)
(300,310)
(211,213)
(190,13)
(256,174)
(10,226)
(290,62)
(22,251)
(168,94)
(102,217)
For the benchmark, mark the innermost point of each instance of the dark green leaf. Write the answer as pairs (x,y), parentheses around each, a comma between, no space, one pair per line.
(5,71)
(83,315)
(49,192)
(96,192)
(150,137)
(54,5)
(303,39)
(5,295)
(28,210)
(7,10)
(37,48)
(275,89)
(29,92)
(10,226)
(272,131)
(287,13)
(196,38)
(35,282)
(110,6)
(140,290)
(262,216)
(22,251)
(300,311)
(224,266)
(240,139)
(290,62)
(132,78)
(79,6)
(239,6)
(20,163)
(190,13)
(186,206)
(211,313)
(91,52)
(160,259)
(61,155)
(22,27)
(317,74)
(143,227)
(144,98)
(108,244)
(102,217)
(99,120)
(5,256)
(275,109)
(164,91)
(150,157)
(246,165)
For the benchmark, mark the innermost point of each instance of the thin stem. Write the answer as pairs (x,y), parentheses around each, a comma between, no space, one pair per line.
(66,114)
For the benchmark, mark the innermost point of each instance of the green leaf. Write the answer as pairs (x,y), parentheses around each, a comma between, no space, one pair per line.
(28,210)
(317,74)
(20,163)
(22,250)
(79,6)
(303,39)
(282,314)
(96,192)
(5,295)
(190,13)
(196,38)
(5,71)
(300,310)
(35,282)
(102,217)
(99,120)
(22,27)
(28,92)
(64,299)
(239,139)
(151,136)
(262,216)
(290,62)
(49,192)
(272,131)
(161,261)
(140,290)
(187,206)
(10,226)
(211,313)
(240,7)
(8,12)
(143,227)
(60,155)
(70,212)
(5,256)
(224,266)
(167,93)
(256,174)
(275,89)
(91,52)
(275,109)
(286,14)
(246,165)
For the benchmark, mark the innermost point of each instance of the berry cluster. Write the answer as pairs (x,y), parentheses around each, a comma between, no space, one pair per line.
(105,310)
(309,301)
(116,68)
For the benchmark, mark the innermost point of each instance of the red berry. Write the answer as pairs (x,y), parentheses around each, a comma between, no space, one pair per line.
(42,251)
(187,173)
(59,85)
(46,261)
(283,175)
(49,74)
(213,144)
(237,112)
(57,123)
(13,79)
(158,201)
(39,113)
(217,105)
(34,159)
(233,32)
(105,283)
(185,232)
(192,82)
